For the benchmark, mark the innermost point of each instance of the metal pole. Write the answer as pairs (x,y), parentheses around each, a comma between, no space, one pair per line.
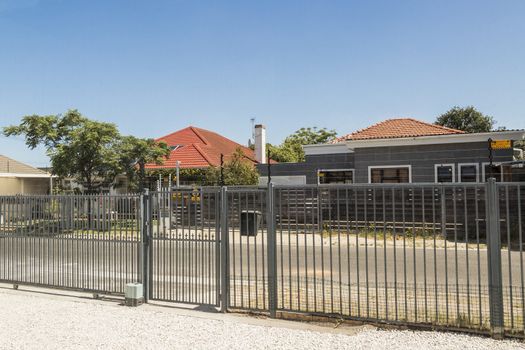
(269,167)
(145,218)
(178,173)
(225,251)
(494,260)
(272,252)
(169,198)
(222,170)
(491,158)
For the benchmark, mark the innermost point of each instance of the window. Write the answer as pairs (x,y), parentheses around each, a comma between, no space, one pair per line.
(496,172)
(468,172)
(335,176)
(444,172)
(390,174)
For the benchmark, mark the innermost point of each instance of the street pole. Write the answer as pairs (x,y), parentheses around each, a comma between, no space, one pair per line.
(178,173)
(491,158)
(269,167)
(222,169)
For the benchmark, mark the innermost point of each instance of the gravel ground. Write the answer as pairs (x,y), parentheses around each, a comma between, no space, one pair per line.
(32,320)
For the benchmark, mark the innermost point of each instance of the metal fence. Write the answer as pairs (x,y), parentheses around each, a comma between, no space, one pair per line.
(402,254)
(438,255)
(89,243)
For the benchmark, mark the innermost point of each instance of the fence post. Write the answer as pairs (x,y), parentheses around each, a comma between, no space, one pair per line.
(145,235)
(272,252)
(494,259)
(225,251)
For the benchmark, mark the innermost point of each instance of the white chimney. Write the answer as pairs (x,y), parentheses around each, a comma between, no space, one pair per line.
(260,143)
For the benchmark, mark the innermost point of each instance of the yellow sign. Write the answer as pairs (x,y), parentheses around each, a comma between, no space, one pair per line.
(501,144)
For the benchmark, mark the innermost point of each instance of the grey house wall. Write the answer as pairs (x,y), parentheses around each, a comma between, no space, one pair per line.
(310,166)
(422,159)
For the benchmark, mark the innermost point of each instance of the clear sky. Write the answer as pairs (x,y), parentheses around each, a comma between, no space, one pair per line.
(153,67)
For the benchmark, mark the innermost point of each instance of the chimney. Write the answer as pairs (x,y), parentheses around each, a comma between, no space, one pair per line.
(260,143)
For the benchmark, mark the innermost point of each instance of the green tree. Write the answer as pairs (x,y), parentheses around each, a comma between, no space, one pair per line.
(135,153)
(291,150)
(78,147)
(91,152)
(467,119)
(238,170)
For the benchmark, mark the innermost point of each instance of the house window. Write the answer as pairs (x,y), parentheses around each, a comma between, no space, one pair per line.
(468,172)
(390,174)
(496,172)
(444,172)
(335,176)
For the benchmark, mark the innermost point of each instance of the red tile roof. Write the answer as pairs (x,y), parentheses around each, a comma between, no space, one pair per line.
(397,128)
(199,148)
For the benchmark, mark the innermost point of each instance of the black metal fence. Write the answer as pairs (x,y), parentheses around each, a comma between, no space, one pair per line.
(89,243)
(437,255)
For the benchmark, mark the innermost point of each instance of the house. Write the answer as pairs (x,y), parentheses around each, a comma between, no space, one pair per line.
(19,178)
(197,149)
(403,150)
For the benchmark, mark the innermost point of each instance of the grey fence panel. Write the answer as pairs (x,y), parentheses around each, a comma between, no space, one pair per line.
(393,253)
(185,249)
(89,243)
(511,198)
(247,248)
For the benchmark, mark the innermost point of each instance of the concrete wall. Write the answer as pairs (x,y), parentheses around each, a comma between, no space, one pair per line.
(422,159)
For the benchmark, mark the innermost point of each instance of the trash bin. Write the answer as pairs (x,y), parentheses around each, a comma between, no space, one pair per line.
(250,222)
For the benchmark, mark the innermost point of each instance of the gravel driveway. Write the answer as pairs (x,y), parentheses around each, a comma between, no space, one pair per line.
(37,320)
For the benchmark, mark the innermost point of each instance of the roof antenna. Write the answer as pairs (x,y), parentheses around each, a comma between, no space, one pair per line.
(251,141)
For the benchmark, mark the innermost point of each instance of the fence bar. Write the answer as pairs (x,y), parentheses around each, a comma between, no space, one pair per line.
(272,252)
(145,233)
(494,259)
(225,251)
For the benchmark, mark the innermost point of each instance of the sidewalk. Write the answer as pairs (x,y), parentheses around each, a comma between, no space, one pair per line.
(43,319)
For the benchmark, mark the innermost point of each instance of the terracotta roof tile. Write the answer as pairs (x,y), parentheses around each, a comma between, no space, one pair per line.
(398,128)
(199,148)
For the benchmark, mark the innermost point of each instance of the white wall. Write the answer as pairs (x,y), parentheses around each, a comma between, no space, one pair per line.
(284,180)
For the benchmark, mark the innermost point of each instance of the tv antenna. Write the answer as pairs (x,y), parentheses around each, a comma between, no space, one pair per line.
(252,140)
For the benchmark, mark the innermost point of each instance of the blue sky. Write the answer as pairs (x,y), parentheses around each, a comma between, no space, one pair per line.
(153,67)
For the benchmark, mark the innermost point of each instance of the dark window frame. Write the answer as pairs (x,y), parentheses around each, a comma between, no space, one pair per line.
(319,171)
(444,165)
(382,168)
(460,172)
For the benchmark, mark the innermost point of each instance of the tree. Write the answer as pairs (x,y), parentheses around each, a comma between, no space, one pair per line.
(291,150)
(91,152)
(467,119)
(238,170)
(135,153)
(78,147)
